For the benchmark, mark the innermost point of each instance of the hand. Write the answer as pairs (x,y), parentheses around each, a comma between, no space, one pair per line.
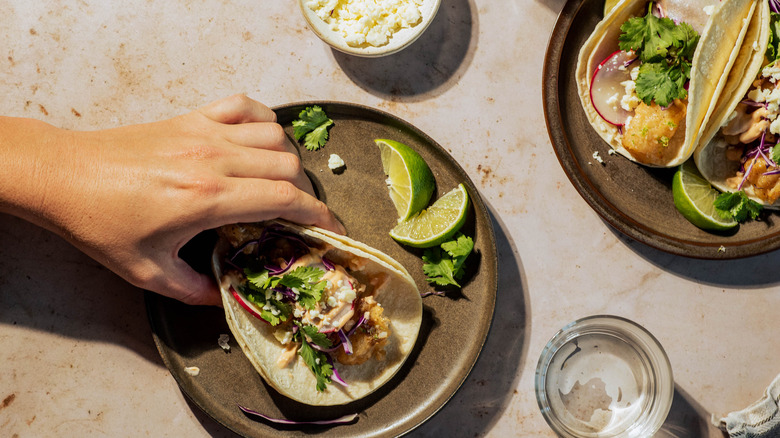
(131,197)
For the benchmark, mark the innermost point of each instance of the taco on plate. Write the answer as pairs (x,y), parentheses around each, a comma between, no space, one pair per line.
(650,73)
(323,319)
(739,154)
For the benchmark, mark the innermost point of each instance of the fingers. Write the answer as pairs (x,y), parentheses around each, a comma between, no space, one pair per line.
(269,165)
(254,200)
(238,109)
(269,136)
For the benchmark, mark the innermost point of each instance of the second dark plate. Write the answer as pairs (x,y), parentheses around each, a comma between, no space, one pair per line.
(634,199)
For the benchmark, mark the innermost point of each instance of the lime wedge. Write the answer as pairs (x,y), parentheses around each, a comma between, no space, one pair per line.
(437,224)
(409,180)
(694,197)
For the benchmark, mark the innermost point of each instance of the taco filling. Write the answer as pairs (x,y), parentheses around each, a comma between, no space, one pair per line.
(318,309)
(642,89)
(752,133)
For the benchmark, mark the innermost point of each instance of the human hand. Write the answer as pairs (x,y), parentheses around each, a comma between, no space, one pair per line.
(131,197)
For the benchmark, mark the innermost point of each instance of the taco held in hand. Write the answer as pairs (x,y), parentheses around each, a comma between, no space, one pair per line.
(323,319)
(650,72)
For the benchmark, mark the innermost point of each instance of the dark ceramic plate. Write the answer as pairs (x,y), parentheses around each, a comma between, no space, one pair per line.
(634,199)
(454,327)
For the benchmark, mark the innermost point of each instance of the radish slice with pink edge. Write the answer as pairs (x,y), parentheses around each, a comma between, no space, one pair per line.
(606,90)
(249,307)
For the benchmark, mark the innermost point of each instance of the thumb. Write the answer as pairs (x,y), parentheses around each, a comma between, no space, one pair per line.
(190,287)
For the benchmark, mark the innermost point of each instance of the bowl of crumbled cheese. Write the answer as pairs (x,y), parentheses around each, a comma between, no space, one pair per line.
(369,27)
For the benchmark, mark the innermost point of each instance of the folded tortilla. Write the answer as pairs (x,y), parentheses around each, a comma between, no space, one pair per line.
(710,155)
(386,282)
(716,55)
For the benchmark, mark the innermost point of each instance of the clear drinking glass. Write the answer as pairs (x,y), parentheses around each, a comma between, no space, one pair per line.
(604,376)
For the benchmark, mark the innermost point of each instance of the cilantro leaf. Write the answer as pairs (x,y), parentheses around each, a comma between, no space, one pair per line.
(775,154)
(737,205)
(303,280)
(666,50)
(660,83)
(445,271)
(307,274)
(312,125)
(773,48)
(315,336)
(257,279)
(438,269)
(317,361)
(318,137)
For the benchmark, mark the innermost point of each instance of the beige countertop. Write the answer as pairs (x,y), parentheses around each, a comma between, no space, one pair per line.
(77,355)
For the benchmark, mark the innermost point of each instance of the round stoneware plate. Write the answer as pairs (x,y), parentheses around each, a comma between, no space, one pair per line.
(398,41)
(454,327)
(634,199)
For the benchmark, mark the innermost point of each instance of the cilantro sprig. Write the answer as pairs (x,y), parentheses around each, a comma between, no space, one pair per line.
(773,48)
(666,50)
(737,205)
(312,125)
(305,280)
(444,265)
(316,360)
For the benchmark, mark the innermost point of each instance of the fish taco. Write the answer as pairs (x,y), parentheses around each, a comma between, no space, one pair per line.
(741,154)
(650,74)
(324,320)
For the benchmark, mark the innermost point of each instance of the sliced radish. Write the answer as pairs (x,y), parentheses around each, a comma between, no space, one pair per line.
(605,89)
(248,306)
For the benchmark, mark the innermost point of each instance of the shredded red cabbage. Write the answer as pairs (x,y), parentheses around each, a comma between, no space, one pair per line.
(341,420)
(345,341)
(432,292)
(774,5)
(328,264)
(335,376)
(359,323)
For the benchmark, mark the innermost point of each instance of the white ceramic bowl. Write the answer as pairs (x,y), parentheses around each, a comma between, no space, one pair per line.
(398,41)
(604,377)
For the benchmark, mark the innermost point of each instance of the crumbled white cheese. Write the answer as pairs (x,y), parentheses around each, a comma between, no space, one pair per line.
(370,22)
(612,152)
(335,162)
(709,9)
(283,335)
(771,71)
(193,371)
(223,341)
(722,249)
(597,157)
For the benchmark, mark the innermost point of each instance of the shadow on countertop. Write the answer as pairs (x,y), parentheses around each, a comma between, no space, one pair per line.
(487,392)
(48,285)
(687,419)
(427,68)
(747,273)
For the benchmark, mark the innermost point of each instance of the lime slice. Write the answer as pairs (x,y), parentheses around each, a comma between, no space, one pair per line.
(437,224)
(409,180)
(694,197)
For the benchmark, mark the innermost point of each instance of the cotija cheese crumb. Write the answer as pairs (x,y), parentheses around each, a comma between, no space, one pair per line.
(370,22)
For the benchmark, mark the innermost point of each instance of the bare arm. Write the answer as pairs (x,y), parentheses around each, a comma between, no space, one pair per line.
(131,197)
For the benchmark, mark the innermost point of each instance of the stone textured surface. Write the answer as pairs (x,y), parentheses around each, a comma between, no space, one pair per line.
(77,356)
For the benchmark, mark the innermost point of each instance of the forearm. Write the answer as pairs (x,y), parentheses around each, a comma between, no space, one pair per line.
(32,155)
